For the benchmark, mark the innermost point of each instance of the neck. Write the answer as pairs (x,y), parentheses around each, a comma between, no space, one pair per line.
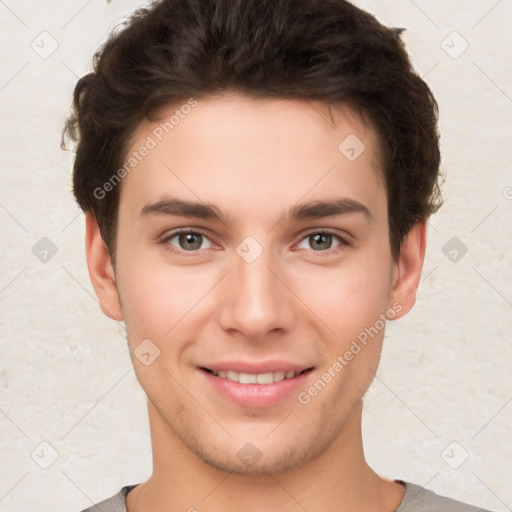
(337,480)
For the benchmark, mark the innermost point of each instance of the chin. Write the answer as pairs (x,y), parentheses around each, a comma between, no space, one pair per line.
(261,457)
(270,464)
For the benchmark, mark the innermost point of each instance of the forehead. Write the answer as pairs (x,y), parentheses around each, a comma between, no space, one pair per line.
(225,149)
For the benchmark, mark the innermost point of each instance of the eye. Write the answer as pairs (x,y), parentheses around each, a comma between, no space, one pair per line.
(188,240)
(322,241)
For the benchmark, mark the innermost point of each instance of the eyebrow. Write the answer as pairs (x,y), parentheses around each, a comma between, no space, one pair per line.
(328,208)
(314,210)
(183,208)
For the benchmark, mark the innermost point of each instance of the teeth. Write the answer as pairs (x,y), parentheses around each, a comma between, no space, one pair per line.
(247,378)
(251,378)
(232,375)
(278,376)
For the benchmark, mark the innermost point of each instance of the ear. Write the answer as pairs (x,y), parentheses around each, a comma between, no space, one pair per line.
(408,267)
(101,271)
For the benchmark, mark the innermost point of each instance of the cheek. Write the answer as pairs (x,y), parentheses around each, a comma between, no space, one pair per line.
(350,298)
(352,308)
(159,299)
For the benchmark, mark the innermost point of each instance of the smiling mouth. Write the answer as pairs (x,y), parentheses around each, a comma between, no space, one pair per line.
(256,378)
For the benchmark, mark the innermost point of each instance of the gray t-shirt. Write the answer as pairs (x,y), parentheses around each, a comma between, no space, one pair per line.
(416,499)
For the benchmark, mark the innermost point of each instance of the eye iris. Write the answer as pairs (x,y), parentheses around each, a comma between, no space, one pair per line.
(321,241)
(193,240)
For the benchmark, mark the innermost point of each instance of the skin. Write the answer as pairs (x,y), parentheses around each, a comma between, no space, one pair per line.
(298,301)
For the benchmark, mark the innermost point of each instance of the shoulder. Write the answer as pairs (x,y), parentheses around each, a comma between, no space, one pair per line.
(419,499)
(116,503)
(416,499)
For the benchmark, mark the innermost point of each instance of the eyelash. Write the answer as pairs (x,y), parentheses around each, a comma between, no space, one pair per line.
(343,242)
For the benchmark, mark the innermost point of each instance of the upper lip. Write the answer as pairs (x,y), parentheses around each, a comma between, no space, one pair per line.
(257,367)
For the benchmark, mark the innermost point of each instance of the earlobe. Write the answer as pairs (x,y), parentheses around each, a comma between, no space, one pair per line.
(100,269)
(408,267)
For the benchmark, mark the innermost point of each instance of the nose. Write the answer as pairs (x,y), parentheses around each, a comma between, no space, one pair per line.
(256,299)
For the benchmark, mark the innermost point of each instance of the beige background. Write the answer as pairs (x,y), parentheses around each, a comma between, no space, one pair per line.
(444,387)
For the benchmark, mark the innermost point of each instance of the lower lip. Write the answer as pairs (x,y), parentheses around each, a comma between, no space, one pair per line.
(256,395)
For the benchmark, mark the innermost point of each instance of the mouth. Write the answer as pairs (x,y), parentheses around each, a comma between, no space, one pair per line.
(255,386)
(256,378)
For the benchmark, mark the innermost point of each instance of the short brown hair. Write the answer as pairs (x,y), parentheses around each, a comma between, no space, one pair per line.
(326,50)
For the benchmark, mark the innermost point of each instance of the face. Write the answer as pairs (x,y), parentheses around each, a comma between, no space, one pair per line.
(252,247)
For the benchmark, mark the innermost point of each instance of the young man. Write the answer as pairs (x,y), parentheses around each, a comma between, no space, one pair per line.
(257,177)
